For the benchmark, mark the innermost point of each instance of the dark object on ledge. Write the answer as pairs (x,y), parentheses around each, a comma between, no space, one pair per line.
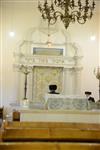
(91,99)
(16,115)
(88,93)
(1,115)
(52,89)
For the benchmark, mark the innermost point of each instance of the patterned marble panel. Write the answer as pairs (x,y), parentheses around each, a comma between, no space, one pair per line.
(55,103)
(80,104)
(67,103)
(43,77)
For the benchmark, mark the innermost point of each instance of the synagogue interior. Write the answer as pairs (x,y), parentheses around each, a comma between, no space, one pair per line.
(50,74)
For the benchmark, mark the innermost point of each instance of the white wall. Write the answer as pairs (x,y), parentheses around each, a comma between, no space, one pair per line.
(22,16)
(90,51)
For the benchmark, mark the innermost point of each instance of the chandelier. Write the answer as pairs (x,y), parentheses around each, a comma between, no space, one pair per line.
(68,11)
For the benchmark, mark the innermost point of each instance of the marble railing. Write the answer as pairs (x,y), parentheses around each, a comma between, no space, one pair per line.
(58,103)
(72,104)
(69,103)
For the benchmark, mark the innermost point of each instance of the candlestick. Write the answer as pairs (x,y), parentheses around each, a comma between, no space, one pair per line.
(25,70)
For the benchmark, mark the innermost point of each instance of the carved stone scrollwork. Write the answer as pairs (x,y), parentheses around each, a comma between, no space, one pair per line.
(51,61)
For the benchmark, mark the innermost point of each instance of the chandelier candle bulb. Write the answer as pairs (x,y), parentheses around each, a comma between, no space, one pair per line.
(69,11)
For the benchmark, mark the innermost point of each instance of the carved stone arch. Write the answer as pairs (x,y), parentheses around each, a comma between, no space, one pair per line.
(69,63)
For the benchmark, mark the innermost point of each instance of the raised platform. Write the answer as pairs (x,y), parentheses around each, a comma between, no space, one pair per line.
(85,116)
(59,109)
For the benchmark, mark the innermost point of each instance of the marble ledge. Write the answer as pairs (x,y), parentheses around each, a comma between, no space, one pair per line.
(90,112)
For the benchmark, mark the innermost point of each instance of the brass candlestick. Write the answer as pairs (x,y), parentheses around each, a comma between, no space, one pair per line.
(25,70)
